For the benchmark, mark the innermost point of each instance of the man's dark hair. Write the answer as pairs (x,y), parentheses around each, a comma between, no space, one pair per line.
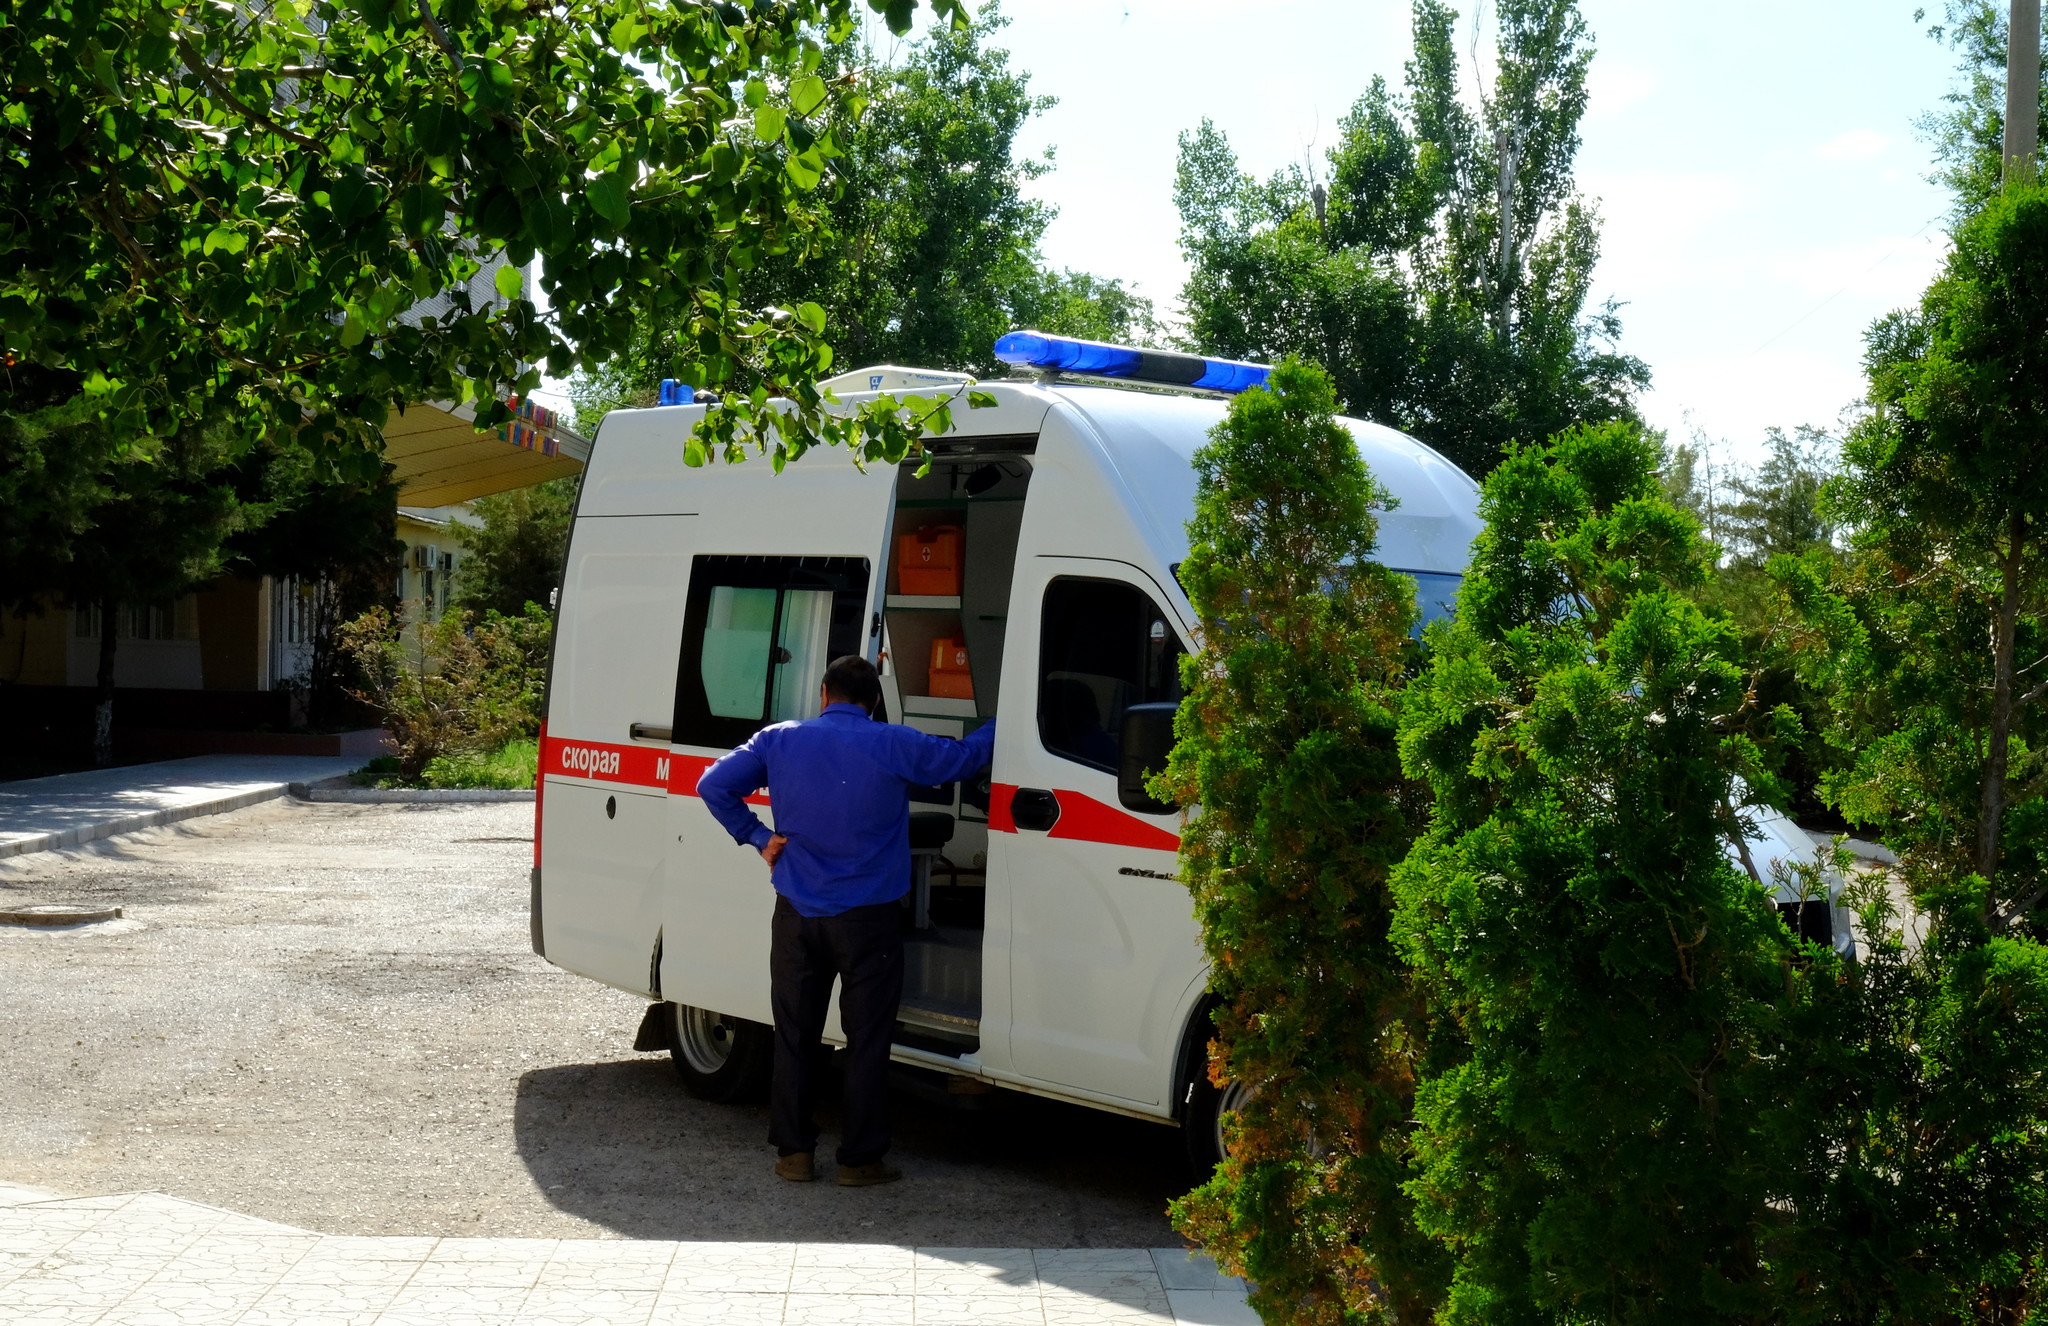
(851,679)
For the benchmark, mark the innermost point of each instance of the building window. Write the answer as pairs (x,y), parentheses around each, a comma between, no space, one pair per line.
(175,620)
(1104,646)
(757,634)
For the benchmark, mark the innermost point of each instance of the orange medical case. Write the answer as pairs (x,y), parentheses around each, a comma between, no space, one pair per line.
(949,676)
(928,562)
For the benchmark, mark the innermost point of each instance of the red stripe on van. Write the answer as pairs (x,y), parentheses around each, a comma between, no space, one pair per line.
(1084,819)
(687,769)
(999,795)
(640,766)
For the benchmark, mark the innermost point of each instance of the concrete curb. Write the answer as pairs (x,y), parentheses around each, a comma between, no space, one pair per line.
(148,819)
(390,796)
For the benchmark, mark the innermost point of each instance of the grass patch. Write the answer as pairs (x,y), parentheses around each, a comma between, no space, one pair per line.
(510,767)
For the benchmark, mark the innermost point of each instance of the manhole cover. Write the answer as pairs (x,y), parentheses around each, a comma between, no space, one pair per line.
(55,913)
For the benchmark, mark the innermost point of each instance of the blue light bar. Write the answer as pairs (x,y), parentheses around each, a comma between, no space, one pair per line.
(675,393)
(1066,354)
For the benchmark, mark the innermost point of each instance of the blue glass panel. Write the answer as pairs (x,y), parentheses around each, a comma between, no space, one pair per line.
(1436,595)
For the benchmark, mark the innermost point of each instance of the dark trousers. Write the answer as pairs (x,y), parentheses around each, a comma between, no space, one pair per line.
(863,947)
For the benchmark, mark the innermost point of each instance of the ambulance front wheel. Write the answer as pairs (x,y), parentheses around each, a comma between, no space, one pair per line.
(722,1059)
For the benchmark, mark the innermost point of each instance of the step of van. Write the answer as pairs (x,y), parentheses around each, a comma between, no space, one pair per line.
(940,1015)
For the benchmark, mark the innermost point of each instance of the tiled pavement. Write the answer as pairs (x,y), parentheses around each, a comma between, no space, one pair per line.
(143,1259)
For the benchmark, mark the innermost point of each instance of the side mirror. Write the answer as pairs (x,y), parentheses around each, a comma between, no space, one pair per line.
(1147,737)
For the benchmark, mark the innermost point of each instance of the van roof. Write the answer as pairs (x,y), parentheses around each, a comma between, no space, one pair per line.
(1143,441)
(1151,439)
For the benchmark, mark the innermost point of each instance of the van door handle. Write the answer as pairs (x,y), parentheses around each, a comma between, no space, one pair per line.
(649,732)
(1034,808)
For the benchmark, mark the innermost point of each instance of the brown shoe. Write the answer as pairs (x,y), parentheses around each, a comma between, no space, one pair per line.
(797,1167)
(867,1176)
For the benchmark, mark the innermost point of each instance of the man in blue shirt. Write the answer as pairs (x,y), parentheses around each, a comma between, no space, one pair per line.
(839,857)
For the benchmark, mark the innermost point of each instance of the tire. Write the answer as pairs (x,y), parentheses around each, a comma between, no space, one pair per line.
(721,1059)
(1202,1126)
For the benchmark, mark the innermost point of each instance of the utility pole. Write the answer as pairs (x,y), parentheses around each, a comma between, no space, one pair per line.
(2022,89)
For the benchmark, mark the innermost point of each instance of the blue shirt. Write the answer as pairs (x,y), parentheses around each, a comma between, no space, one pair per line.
(840,784)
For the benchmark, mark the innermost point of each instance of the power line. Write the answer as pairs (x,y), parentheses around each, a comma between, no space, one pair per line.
(1896,250)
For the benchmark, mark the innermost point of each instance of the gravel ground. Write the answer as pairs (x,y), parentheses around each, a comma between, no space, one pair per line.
(329,1015)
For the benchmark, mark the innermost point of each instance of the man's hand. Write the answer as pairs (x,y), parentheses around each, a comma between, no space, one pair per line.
(773,848)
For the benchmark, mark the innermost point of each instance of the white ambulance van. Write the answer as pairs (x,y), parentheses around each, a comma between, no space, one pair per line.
(1029,574)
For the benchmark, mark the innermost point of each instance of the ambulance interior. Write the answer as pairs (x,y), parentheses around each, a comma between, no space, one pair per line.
(952,550)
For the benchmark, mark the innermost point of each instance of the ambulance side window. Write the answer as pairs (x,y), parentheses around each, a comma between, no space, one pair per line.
(1104,646)
(757,634)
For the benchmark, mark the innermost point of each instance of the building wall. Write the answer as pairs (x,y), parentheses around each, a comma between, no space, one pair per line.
(435,543)
(231,638)
(35,648)
(156,647)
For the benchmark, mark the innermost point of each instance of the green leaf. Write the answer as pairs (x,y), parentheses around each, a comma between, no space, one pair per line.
(807,94)
(220,239)
(756,92)
(811,316)
(421,208)
(607,194)
(768,122)
(546,222)
(805,169)
(626,34)
(436,128)
(509,281)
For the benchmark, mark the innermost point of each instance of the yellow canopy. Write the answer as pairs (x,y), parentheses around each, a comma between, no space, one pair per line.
(440,458)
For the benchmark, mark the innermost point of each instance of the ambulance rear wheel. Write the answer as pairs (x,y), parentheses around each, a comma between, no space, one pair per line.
(722,1059)
(1208,1106)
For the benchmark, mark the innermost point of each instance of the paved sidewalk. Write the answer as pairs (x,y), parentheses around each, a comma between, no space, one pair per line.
(40,814)
(143,1259)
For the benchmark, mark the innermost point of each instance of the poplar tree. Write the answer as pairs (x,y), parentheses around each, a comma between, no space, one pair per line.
(1287,745)
(1441,265)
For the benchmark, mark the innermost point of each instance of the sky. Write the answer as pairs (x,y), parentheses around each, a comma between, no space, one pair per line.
(1762,185)
(1761,182)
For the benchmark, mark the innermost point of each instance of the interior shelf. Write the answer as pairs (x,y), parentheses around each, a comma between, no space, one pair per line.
(925,602)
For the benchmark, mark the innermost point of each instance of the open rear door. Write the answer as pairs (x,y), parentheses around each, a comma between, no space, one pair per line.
(604,802)
(785,573)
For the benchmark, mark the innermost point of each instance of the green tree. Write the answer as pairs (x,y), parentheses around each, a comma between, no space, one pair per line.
(154,534)
(1775,509)
(516,557)
(1969,137)
(1287,745)
(233,209)
(1928,637)
(1602,979)
(934,250)
(1444,266)
(331,527)
(1945,489)
(87,521)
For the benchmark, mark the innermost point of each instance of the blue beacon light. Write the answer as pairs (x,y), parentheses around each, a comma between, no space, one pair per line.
(1067,354)
(675,392)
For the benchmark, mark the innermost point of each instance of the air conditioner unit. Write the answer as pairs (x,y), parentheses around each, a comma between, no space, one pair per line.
(425,556)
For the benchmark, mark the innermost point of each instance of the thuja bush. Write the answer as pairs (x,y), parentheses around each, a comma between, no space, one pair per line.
(1287,745)
(1609,988)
